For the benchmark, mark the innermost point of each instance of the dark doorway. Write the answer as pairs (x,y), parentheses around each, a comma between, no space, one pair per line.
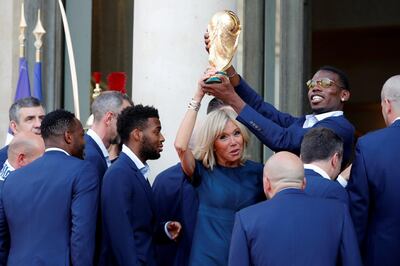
(363,39)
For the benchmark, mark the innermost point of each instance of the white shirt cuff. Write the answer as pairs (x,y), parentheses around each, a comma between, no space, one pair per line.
(342,181)
(166,230)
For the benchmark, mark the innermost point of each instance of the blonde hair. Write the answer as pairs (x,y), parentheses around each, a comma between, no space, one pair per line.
(212,127)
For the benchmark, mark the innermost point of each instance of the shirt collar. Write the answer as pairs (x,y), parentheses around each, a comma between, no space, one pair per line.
(6,170)
(397,118)
(317,169)
(312,119)
(57,149)
(322,116)
(98,141)
(143,168)
(9,165)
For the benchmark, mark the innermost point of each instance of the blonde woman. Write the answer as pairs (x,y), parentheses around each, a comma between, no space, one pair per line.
(224,180)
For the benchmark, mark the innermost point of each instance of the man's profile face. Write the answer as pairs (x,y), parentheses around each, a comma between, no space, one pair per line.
(30,119)
(78,141)
(152,140)
(327,99)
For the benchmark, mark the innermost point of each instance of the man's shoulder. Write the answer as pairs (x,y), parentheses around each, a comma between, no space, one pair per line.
(123,166)
(171,175)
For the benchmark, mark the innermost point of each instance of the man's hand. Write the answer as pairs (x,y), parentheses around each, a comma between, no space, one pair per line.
(174,229)
(225,92)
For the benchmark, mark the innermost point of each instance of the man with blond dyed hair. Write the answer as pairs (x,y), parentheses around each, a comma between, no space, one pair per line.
(24,148)
(292,228)
(375,184)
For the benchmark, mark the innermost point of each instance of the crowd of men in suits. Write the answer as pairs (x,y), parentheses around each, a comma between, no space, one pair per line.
(65,201)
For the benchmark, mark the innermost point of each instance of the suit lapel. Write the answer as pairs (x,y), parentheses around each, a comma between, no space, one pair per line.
(94,144)
(139,176)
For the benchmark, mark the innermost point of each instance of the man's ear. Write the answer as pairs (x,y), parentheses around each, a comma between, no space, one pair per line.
(21,160)
(108,118)
(68,137)
(335,160)
(267,186)
(344,95)
(13,127)
(304,183)
(136,134)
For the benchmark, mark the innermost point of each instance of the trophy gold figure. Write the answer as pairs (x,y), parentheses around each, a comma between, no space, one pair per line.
(224,30)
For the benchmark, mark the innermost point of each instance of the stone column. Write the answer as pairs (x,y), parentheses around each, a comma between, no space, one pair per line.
(168,59)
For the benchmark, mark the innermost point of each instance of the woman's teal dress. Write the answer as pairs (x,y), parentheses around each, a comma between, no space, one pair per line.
(222,192)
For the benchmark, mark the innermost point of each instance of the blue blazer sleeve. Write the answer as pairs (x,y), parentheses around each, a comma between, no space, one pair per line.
(84,215)
(118,191)
(238,251)
(359,194)
(253,99)
(271,134)
(4,233)
(349,251)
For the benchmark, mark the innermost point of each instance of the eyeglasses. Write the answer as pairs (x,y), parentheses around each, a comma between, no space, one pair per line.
(323,83)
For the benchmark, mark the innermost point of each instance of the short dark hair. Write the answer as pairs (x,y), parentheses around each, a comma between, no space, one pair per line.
(344,80)
(57,123)
(134,117)
(13,112)
(320,144)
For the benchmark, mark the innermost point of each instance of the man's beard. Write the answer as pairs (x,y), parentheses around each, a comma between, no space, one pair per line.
(147,151)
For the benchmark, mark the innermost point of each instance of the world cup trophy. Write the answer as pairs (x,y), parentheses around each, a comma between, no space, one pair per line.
(224,30)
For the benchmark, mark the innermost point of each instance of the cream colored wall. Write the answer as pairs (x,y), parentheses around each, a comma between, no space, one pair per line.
(9,20)
(168,59)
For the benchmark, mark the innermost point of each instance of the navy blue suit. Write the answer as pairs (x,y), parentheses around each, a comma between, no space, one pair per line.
(129,221)
(94,155)
(49,209)
(374,190)
(283,132)
(294,229)
(3,155)
(321,187)
(175,199)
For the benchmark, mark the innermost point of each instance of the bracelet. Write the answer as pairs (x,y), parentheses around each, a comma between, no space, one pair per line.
(234,74)
(194,105)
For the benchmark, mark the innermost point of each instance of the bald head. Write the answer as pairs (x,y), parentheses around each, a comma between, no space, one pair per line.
(283,170)
(390,96)
(25,148)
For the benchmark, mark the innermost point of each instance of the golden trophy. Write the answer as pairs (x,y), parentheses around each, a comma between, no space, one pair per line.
(224,30)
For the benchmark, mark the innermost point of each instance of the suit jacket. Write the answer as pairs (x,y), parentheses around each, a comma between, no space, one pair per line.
(283,132)
(128,217)
(94,155)
(293,228)
(319,186)
(374,190)
(175,199)
(3,155)
(48,209)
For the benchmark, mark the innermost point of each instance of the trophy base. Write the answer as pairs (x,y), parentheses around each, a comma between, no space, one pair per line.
(215,79)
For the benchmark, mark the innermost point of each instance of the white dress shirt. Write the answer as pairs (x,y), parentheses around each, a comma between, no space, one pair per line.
(312,119)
